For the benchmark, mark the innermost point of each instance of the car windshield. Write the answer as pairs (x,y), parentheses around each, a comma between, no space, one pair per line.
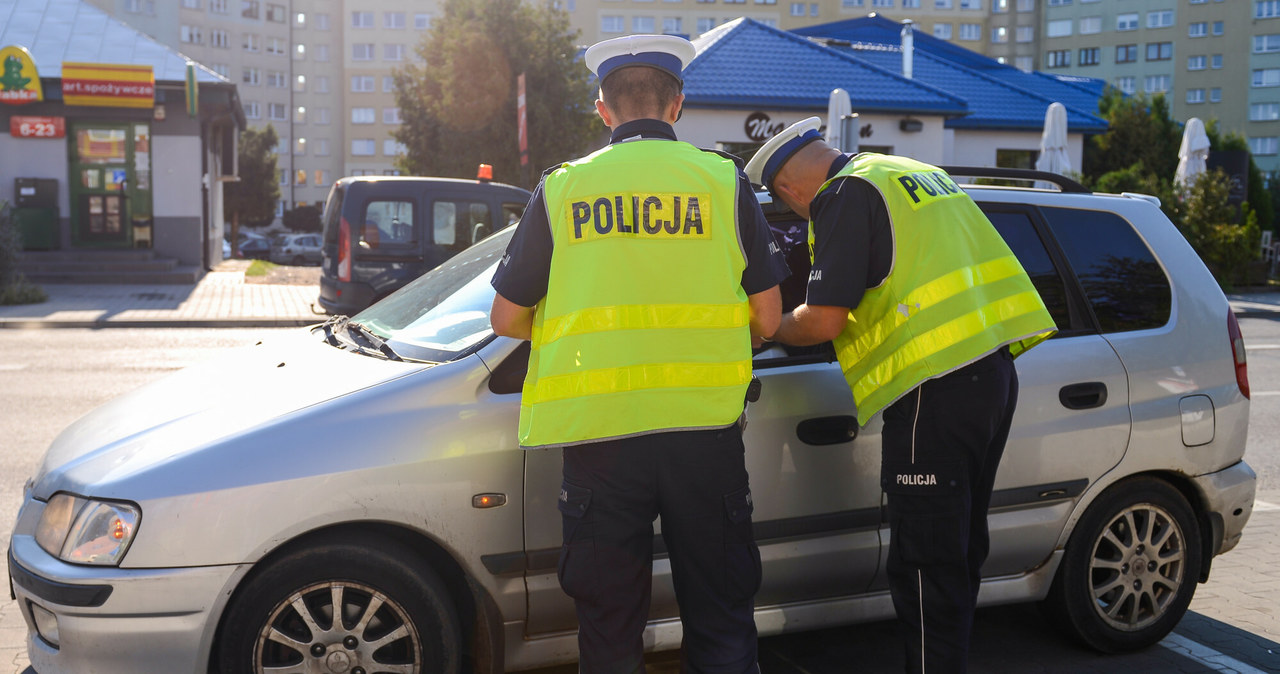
(444,314)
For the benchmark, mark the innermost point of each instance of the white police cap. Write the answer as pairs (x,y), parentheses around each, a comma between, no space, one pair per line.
(664,52)
(766,163)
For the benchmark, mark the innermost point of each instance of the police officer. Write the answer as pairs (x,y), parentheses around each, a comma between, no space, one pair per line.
(927,307)
(642,274)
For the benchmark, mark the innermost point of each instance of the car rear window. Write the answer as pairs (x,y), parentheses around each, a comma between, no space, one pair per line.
(332,214)
(1124,283)
(386,223)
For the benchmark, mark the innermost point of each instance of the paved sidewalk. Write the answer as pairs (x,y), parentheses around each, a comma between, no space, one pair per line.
(222,299)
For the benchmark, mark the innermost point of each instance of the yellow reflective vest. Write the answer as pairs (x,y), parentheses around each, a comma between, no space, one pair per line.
(645,325)
(954,293)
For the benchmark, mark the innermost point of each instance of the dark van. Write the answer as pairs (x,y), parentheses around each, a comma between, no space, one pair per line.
(382,232)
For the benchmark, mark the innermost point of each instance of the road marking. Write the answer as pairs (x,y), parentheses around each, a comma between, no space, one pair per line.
(12,367)
(1261,347)
(1264,507)
(1206,656)
(1263,394)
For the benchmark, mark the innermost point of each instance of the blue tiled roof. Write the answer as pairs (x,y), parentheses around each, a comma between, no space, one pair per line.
(993,103)
(746,63)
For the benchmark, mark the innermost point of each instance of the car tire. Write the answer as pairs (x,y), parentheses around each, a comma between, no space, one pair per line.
(282,616)
(1130,568)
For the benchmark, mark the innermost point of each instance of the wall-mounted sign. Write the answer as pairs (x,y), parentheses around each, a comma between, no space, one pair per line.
(21,126)
(19,81)
(108,85)
(760,128)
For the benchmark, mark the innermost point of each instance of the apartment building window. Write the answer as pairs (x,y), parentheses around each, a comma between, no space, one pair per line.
(1025,33)
(222,69)
(797,9)
(363,116)
(388,84)
(277,112)
(642,24)
(999,35)
(362,51)
(300,114)
(975,5)
(1198,29)
(275,46)
(880,3)
(1218,28)
(942,31)
(300,83)
(1215,61)
(322,53)
(362,19)
(364,147)
(392,52)
(1195,96)
(1000,6)
(1266,77)
(1090,25)
(218,6)
(1159,51)
(362,83)
(846,4)
(251,9)
(1265,44)
(392,148)
(321,176)
(1126,84)
(1126,53)
(283,176)
(300,20)
(219,38)
(772,23)
(1090,56)
(393,20)
(758,2)
(1127,21)
(190,35)
(391,116)
(1199,2)
(1026,5)
(322,115)
(277,14)
(1199,62)
(322,148)
(1024,63)
(1264,112)
(1058,28)
(1156,84)
(300,147)
(1266,9)
(1058,58)
(1059,3)
(322,22)
(421,21)
(672,25)
(970,31)
(252,110)
(300,176)
(1268,145)
(705,24)
(251,77)
(611,24)
(275,79)
(1160,19)
(813,9)
(911,4)
(942,4)
(1215,95)
(252,42)
(299,52)
(191,4)
(322,84)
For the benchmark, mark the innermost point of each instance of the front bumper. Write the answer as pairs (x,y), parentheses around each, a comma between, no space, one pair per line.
(112,620)
(1228,503)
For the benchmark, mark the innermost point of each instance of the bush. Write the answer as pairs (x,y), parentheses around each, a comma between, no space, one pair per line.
(1227,241)
(14,287)
(302,219)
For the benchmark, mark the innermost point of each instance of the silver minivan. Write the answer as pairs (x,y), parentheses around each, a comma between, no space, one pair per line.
(351,496)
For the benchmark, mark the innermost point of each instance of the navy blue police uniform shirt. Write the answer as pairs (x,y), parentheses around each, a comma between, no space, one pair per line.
(853,240)
(522,275)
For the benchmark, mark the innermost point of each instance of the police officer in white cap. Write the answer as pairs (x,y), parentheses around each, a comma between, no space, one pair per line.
(927,308)
(642,274)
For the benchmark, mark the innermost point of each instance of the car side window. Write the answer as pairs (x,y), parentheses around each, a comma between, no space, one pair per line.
(1120,276)
(387,224)
(1019,233)
(457,224)
(511,213)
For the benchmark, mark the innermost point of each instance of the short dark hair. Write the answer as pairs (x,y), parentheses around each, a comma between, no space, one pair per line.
(639,91)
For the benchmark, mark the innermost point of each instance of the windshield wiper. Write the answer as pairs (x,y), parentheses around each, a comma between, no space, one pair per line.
(329,325)
(378,343)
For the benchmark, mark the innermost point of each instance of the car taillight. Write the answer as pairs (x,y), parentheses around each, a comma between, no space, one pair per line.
(1237,353)
(344,251)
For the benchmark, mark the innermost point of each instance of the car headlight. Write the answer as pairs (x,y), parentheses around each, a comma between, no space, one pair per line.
(86,531)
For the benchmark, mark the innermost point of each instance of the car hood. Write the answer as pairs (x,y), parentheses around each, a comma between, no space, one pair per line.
(203,405)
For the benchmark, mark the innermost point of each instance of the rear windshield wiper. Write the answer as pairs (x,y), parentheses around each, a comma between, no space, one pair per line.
(378,343)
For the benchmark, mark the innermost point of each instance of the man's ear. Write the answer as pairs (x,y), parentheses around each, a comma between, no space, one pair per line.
(677,109)
(791,196)
(605,115)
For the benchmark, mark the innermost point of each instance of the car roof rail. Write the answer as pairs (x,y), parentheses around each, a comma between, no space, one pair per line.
(1064,183)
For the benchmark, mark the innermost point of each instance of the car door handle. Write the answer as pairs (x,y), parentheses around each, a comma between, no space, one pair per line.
(827,430)
(1085,396)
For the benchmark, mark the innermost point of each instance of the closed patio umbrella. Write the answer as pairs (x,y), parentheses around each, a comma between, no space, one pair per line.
(1193,154)
(1053,142)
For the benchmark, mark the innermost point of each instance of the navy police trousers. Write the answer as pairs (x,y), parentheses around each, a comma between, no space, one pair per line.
(942,444)
(612,491)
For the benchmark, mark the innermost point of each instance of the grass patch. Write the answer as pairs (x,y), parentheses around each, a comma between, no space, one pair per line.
(22,292)
(259,268)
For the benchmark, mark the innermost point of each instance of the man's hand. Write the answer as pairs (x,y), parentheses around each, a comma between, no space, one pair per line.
(510,319)
(810,324)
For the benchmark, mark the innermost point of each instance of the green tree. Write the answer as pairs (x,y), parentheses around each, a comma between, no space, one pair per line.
(1259,192)
(1141,130)
(302,219)
(458,104)
(254,197)
(1227,241)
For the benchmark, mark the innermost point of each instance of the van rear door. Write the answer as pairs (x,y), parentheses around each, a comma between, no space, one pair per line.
(331,221)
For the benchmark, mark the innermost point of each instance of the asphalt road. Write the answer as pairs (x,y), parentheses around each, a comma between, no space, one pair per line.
(49,378)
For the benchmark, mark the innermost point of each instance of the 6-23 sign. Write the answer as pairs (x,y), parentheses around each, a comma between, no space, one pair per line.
(37,127)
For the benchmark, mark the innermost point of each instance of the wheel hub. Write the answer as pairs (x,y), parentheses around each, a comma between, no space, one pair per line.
(337,662)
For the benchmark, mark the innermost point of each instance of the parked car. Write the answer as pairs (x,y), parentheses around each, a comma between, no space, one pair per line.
(251,245)
(382,232)
(296,249)
(219,519)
